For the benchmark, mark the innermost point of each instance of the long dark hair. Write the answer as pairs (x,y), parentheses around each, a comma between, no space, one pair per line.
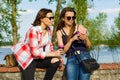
(40,15)
(61,23)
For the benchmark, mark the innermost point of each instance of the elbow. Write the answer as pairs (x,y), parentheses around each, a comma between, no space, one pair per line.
(35,55)
(89,46)
(65,50)
(38,55)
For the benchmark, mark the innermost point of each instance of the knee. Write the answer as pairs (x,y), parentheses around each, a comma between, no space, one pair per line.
(54,60)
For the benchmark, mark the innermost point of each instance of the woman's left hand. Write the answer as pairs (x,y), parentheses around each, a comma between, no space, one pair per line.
(83,36)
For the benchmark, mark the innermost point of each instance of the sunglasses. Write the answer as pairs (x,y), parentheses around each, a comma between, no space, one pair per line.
(50,18)
(69,18)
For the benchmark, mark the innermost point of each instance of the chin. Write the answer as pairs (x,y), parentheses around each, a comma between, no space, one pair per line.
(70,24)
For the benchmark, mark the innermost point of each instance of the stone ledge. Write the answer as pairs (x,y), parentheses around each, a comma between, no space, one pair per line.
(104,66)
(7,69)
(109,66)
(4,69)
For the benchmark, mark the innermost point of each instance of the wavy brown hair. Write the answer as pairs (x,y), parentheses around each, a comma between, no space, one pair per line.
(61,23)
(40,15)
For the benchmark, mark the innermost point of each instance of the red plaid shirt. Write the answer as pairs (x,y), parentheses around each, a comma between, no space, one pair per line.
(31,48)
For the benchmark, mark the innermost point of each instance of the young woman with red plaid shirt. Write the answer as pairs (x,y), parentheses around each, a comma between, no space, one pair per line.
(37,49)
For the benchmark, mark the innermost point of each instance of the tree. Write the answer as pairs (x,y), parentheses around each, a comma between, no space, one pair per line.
(81,10)
(81,13)
(9,16)
(57,13)
(97,28)
(117,23)
(115,38)
(13,20)
(5,31)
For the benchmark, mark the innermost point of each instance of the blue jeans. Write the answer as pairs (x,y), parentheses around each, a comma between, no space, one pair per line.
(74,69)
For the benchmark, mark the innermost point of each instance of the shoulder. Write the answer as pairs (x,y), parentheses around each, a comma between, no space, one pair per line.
(59,33)
(81,28)
(51,28)
(34,30)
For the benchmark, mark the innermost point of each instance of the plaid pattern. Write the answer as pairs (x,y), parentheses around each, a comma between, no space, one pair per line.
(31,48)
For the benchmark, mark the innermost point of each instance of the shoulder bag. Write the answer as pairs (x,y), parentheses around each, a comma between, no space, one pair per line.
(89,65)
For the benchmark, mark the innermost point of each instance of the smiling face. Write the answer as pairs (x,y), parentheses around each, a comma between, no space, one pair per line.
(69,18)
(48,20)
(44,17)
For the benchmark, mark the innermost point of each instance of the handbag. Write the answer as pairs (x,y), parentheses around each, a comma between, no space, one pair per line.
(89,65)
(10,60)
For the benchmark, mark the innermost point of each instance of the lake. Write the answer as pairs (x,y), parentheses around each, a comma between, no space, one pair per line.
(103,55)
(3,52)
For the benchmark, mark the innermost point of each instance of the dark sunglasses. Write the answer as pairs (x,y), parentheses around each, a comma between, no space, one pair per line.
(50,18)
(69,18)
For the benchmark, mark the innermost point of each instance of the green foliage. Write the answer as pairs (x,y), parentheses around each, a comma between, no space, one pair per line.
(115,37)
(81,10)
(99,32)
(9,43)
(51,1)
(97,29)
(5,30)
(6,20)
(57,13)
(32,0)
(117,22)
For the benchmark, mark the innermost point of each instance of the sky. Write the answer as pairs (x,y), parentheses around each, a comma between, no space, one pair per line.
(110,7)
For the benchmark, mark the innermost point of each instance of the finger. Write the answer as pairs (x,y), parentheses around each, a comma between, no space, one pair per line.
(61,52)
(60,49)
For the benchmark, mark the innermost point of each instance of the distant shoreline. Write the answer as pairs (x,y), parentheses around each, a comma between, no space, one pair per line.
(5,46)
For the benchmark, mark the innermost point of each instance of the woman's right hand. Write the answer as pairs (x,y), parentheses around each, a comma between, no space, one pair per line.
(58,53)
(75,37)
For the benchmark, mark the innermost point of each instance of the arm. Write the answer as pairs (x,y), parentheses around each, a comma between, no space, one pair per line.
(33,43)
(87,42)
(84,36)
(68,44)
(38,51)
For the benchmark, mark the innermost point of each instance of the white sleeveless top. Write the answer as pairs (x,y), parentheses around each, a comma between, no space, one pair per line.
(45,40)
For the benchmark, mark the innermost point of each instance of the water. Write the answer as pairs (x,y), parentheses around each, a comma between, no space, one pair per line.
(107,55)
(104,55)
(3,52)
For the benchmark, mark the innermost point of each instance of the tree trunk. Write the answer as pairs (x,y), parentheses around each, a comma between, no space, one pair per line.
(13,22)
(57,13)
